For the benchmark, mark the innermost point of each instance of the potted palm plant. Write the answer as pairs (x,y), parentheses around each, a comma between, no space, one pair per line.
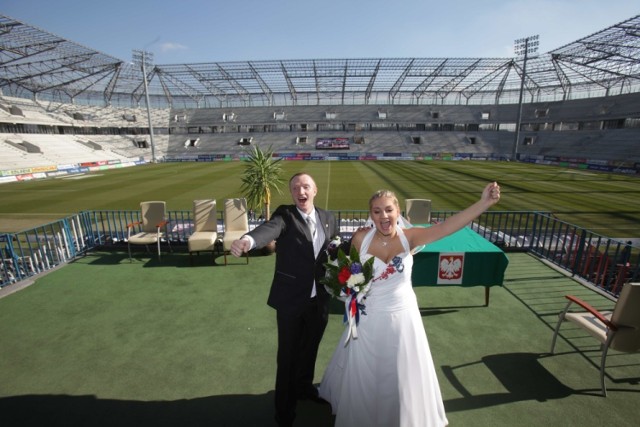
(261,176)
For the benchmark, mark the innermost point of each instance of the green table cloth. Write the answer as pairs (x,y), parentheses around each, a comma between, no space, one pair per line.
(462,259)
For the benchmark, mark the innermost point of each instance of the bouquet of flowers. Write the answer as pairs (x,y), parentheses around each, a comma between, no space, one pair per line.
(349,280)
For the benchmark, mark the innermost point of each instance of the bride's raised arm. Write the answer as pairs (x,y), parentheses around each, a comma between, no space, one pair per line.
(422,236)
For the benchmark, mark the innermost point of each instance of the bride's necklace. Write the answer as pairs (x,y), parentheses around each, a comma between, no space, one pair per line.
(384,242)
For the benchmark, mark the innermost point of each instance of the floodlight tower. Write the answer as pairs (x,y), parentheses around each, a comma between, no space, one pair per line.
(145,59)
(525,46)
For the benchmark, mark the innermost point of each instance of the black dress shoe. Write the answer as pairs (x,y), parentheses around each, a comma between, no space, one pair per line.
(282,422)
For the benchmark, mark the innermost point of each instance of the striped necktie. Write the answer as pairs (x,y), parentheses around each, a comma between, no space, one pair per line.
(312,226)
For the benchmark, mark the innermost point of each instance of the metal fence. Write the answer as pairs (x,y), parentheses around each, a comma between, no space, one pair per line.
(28,253)
(602,262)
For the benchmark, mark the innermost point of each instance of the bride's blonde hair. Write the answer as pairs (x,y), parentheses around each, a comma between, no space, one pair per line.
(385,193)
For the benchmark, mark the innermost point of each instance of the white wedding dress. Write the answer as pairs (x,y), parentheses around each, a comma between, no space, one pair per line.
(385,377)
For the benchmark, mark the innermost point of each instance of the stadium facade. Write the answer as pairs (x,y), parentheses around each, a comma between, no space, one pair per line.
(41,64)
(578,104)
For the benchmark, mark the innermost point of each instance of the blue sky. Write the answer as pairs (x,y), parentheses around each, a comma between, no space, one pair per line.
(191,31)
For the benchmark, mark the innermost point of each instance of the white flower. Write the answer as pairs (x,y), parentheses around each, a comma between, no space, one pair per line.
(354,280)
(336,241)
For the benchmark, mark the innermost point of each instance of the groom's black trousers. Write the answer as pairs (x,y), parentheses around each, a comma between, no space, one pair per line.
(299,337)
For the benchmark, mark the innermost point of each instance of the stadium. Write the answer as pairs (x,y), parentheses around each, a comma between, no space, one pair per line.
(577,104)
(568,118)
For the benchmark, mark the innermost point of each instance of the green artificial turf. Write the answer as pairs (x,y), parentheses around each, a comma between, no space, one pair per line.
(105,341)
(607,204)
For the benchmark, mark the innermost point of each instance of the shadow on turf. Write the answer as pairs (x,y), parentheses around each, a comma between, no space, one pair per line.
(436,311)
(226,410)
(177,259)
(521,375)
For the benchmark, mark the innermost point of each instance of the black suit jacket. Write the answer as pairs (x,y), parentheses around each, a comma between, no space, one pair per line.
(296,266)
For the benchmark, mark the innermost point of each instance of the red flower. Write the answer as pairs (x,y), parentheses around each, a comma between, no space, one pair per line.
(344,275)
(386,273)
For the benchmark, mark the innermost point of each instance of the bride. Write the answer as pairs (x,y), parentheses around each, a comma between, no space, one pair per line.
(386,376)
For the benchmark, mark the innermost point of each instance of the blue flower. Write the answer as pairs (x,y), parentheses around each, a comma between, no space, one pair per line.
(397,262)
(356,268)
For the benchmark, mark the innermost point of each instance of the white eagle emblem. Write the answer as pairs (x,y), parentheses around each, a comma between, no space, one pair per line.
(450,268)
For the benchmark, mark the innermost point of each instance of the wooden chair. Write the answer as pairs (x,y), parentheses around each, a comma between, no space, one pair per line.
(205,228)
(236,223)
(153,227)
(619,329)
(418,211)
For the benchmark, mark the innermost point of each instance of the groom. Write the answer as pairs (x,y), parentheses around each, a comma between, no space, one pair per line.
(302,233)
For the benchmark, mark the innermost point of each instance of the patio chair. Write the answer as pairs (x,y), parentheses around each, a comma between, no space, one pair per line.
(619,329)
(205,228)
(418,211)
(236,223)
(153,227)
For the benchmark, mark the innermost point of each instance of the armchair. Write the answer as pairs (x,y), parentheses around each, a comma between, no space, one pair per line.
(619,330)
(153,227)
(205,228)
(236,223)
(418,211)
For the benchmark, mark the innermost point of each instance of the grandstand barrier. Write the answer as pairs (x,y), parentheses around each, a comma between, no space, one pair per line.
(57,171)
(50,171)
(599,262)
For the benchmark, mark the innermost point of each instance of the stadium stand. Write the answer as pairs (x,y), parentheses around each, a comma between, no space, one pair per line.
(584,111)
(559,129)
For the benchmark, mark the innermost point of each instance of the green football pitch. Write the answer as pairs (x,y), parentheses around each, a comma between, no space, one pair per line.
(607,204)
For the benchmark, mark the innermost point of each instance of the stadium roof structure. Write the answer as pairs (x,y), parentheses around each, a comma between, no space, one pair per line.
(37,64)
